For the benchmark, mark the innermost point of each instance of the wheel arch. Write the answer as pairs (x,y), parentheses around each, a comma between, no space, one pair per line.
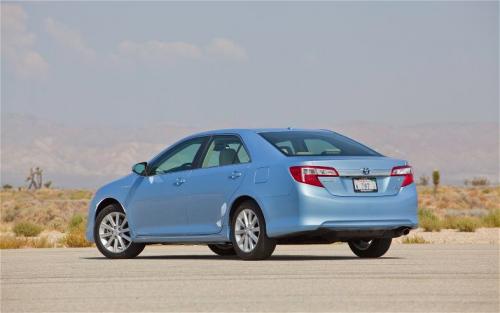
(240,199)
(104,203)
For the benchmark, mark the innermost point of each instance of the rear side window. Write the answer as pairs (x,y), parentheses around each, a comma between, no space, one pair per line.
(316,143)
(225,150)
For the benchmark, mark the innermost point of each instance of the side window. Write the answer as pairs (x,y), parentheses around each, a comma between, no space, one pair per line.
(179,158)
(225,150)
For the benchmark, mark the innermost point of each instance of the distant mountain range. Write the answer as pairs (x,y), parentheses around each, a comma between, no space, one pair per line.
(74,156)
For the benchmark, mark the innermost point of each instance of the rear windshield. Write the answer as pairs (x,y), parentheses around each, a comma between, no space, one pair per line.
(316,143)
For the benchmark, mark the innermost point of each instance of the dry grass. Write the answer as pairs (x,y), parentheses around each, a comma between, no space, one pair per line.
(459,198)
(75,236)
(415,239)
(50,208)
(12,242)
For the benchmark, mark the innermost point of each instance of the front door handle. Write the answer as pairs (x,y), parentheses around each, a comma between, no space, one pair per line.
(179,181)
(235,175)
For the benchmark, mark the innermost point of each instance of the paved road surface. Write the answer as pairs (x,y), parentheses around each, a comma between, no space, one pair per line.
(424,278)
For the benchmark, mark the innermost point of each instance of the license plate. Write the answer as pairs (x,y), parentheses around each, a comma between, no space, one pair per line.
(365,184)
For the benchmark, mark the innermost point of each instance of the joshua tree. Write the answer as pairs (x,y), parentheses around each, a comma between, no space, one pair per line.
(34,178)
(435,179)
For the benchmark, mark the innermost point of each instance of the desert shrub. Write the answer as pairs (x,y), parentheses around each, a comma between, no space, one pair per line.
(75,236)
(75,239)
(415,239)
(11,242)
(466,224)
(76,221)
(27,229)
(462,223)
(480,181)
(11,214)
(80,195)
(48,184)
(7,186)
(42,242)
(428,220)
(492,219)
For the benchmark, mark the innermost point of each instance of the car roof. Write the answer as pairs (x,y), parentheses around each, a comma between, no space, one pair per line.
(252,130)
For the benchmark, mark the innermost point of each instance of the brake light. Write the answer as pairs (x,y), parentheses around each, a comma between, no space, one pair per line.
(310,174)
(405,171)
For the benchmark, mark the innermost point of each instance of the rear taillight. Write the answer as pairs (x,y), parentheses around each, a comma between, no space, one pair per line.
(405,171)
(310,174)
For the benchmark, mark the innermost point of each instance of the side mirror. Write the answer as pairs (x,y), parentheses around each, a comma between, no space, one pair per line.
(140,168)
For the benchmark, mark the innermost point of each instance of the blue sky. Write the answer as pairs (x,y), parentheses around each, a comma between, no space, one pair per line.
(251,64)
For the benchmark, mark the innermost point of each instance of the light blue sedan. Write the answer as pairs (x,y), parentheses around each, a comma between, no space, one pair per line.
(242,191)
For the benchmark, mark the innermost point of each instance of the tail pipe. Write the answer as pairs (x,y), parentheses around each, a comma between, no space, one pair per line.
(403,231)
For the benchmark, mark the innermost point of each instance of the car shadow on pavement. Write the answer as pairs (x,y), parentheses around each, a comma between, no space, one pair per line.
(225,258)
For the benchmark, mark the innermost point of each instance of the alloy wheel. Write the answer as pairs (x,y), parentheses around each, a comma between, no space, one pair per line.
(114,232)
(247,230)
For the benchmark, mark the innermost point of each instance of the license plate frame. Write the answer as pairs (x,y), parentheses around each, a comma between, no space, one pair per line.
(356,184)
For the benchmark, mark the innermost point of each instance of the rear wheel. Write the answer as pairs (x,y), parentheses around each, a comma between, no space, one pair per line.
(373,248)
(222,249)
(112,234)
(248,233)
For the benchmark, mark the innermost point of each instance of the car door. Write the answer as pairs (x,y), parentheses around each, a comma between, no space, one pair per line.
(210,187)
(158,206)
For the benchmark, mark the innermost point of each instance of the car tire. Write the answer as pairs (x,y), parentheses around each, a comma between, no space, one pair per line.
(370,248)
(244,230)
(222,249)
(115,242)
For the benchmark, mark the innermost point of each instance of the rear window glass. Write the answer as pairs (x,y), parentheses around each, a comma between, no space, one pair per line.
(316,143)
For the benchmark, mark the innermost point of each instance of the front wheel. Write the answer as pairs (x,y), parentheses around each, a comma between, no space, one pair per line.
(373,248)
(248,233)
(112,234)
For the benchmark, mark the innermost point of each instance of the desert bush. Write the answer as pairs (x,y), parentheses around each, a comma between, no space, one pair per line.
(48,184)
(462,223)
(75,239)
(27,229)
(7,186)
(76,221)
(467,224)
(480,181)
(415,239)
(428,220)
(75,236)
(11,242)
(492,219)
(80,195)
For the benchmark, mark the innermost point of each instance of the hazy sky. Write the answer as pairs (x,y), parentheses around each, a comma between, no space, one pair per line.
(251,64)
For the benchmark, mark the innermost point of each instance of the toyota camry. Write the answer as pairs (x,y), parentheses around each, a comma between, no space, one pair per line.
(243,191)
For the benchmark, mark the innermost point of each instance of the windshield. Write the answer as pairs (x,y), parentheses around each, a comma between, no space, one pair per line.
(316,143)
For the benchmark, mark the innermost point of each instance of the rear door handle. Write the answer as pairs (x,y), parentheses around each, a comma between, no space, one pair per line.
(235,175)
(179,181)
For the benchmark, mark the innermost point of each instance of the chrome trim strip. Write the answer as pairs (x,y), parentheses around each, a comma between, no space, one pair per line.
(359,172)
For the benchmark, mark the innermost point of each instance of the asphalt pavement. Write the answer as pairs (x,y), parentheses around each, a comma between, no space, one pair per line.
(410,278)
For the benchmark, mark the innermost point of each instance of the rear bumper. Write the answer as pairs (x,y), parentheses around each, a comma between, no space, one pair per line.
(314,208)
(329,235)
